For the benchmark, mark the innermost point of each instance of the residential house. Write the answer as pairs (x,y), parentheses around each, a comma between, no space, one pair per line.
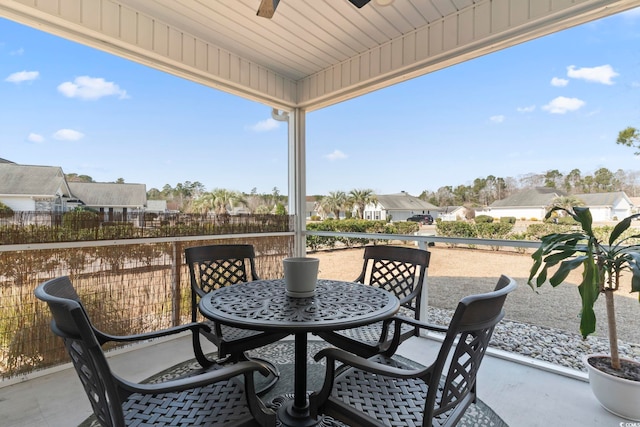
(608,206)
(530,203)
(398,207)
(113,200)
(452,213)
(534,202)
(34,188)
(156,206)
(310,209)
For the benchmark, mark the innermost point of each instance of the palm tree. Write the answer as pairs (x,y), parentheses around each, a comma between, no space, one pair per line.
(219,200)
(564,203)
(334,202)
(360,198)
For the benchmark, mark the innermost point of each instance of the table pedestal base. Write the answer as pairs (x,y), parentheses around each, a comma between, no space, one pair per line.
(290,416)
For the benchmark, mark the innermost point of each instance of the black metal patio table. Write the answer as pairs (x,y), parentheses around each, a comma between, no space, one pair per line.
(263,305)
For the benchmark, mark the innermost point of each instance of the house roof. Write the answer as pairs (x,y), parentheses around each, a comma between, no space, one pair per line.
(106,195)
(26,180)
(310,206)
(403,201)
(449,209)
(310,54)
(531,197)
(603,199)
(157,205)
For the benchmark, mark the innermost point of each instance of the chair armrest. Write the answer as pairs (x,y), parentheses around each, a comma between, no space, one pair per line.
(399,319)
(195,327)
(224,373)
(336,354)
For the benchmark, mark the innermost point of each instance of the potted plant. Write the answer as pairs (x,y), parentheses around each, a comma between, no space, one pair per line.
(603,264)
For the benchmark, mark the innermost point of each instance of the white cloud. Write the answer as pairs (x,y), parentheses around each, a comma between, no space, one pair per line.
(635,84)
(497,119)
(336,155)
(17,52)
(562,104)
(601,74)
(265,125)
(34,137)
(528,109)
(557,81)
(91,88)
(68,135)
(22,76)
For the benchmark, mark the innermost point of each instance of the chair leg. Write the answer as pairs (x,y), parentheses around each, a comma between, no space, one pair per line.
(264,384)
(202,359)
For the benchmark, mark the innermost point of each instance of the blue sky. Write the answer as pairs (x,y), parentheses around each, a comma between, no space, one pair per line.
(557,102)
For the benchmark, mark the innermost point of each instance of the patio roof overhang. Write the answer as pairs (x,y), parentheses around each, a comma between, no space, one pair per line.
(311,54)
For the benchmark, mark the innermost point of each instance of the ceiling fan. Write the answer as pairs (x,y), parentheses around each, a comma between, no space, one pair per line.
(268,7)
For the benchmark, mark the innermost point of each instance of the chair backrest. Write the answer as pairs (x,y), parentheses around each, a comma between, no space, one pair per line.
(398,270)
(212,267)
(466,341)
(70,322)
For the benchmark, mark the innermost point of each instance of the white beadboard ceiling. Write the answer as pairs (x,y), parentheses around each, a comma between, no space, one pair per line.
(312,53)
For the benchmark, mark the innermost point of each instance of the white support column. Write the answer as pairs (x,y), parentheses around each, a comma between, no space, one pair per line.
(297,179)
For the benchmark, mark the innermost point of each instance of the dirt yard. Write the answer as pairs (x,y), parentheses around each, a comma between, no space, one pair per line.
(456,272)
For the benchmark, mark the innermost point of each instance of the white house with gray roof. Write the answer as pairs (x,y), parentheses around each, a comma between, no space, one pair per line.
(398,207)
(45,189)
(608,206)
(533,204)
(110,198)
(33,188)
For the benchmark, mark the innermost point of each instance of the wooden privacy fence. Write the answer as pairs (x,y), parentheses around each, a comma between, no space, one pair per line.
(127,287)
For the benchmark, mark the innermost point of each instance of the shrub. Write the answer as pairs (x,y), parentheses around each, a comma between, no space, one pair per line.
(496,230)
(455,229)
(508,219)
(533,219)
(518,236)
(79,219)
(483,219)
(5,211)
(354,226)
(537,231)
(567,220)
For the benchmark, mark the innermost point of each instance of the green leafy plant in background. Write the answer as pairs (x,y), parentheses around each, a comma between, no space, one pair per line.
(602,259)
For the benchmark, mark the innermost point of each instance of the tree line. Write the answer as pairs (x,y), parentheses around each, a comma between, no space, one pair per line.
(485,191)
(193,196)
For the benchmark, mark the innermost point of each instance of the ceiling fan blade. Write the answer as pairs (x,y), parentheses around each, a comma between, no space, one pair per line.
(267,8)
(359,3)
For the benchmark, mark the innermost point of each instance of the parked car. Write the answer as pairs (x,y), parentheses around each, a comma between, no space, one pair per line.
(422,219)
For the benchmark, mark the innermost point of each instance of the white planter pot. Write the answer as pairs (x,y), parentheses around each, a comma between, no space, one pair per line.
(617,395)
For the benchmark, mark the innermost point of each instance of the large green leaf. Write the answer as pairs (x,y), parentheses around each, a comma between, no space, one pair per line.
(633,261)
(620,228)
(555,258)
(565,268)
(583,216)
(589,292)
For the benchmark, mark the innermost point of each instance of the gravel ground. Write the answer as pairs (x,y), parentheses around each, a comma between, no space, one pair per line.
(543,324)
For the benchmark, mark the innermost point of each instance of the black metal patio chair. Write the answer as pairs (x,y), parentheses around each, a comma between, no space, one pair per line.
(387,391)
(212,267)
(209,396)
(399,270)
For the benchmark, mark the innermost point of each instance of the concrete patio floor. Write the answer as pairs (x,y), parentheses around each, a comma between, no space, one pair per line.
(522,394)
